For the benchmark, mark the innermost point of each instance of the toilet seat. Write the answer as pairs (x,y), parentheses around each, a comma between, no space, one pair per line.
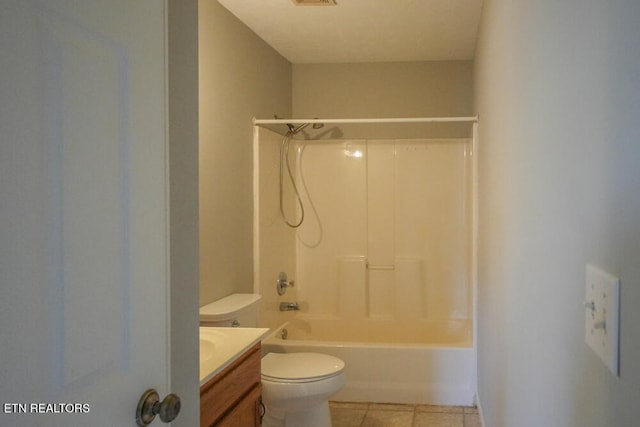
(300,367)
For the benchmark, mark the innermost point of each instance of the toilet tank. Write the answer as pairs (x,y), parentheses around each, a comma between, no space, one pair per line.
(233,310)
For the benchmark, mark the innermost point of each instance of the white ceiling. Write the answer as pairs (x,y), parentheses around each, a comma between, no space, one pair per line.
(364,30)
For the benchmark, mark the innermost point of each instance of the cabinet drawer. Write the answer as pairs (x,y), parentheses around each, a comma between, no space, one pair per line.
(229,387)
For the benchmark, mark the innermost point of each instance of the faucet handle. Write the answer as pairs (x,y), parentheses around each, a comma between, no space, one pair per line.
(283,283)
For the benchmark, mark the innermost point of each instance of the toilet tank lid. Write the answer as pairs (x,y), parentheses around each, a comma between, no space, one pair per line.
(229,306)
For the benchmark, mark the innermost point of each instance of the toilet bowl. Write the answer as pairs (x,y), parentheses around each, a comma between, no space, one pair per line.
(295,386)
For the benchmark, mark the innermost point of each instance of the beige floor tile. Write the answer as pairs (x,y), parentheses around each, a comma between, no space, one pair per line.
(472,420)
(350,405)
(435,419)
(364,414)
(391,407)
(382,418)
(347,417)
(438,408)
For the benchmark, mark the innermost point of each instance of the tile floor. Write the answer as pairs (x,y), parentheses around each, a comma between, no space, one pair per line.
(346,414)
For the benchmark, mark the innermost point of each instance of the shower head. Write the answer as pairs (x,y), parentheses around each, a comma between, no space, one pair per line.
(294,130)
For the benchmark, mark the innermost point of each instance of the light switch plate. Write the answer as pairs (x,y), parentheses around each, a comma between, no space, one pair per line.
(602,315)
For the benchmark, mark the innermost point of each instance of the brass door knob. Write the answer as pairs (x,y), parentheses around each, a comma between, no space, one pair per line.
(149,406)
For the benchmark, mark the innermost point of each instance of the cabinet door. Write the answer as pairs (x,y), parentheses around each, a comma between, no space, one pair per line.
(247,411)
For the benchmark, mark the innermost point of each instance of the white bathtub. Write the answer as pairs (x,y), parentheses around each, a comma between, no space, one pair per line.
(425,362)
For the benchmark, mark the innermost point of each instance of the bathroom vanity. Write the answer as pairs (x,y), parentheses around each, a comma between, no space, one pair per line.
(230,388)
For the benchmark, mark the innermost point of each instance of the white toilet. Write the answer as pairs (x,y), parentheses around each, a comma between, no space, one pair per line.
(295,386)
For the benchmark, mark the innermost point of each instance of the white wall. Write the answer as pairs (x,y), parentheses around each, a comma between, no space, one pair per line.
(558,92)
(240,77)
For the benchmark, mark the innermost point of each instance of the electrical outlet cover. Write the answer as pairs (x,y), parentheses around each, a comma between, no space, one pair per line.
(602,315)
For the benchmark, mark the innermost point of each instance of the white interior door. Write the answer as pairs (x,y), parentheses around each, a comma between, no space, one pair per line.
(83,210)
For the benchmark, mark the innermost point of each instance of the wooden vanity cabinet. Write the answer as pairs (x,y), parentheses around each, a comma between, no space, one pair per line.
(232,398)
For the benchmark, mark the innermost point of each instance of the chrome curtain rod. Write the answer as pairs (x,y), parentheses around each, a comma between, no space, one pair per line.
(472,119)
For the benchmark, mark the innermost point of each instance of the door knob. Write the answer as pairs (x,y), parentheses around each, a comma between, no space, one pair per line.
(149,406)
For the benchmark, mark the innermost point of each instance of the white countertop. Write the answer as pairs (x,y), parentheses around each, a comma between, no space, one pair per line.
(219,347)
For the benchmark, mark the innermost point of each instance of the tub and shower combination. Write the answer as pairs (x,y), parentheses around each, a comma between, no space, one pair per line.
(376,231)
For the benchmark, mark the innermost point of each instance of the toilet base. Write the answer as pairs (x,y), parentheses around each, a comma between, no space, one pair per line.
(316,416)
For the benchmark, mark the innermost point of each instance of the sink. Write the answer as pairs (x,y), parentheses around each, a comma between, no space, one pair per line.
(206,349)
(221,346)
(208,339)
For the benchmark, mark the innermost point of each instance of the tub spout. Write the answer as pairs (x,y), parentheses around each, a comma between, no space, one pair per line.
(289,306)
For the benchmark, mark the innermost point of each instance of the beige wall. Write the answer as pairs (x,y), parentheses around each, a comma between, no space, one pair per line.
(395,89)
(558,90)
(274,240)
(240,77)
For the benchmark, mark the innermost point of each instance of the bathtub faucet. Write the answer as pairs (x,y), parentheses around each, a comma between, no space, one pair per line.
(289,306)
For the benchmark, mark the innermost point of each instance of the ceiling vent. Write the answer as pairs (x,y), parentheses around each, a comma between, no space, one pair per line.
(314,2)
